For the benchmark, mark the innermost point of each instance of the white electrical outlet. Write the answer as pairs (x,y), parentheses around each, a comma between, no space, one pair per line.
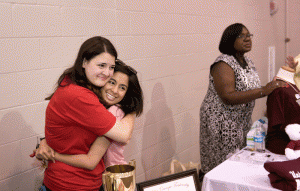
(271,68)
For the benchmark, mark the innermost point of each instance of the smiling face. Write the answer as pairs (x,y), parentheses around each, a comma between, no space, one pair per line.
(115,89)
(99,69)
(243,45)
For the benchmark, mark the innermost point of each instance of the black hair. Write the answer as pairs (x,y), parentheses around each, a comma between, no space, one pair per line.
(229,36)
(89,49)
(133,100)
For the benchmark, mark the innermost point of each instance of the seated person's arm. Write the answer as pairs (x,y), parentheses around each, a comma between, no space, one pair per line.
(88,161)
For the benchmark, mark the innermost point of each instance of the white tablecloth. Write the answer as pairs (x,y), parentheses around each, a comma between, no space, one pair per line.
(235,175)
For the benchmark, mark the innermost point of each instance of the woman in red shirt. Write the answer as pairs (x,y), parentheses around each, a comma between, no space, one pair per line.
(122,95)
(75,117)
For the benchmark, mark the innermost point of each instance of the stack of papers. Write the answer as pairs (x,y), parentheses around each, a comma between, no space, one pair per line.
(253,157)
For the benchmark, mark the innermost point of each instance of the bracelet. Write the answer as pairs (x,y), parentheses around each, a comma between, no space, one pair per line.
(261,93)
(42,138)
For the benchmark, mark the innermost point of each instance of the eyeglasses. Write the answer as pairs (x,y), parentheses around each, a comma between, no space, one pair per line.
(244,36)
(121,63)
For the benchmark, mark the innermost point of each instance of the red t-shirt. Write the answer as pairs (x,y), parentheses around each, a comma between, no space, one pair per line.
(282,110)
(284,175)
(74,119)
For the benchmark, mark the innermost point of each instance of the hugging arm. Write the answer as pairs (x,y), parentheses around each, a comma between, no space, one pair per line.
(88,161)
(44,151)
(96,152)
(122,130)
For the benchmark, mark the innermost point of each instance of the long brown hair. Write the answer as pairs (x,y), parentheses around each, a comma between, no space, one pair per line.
(88,50)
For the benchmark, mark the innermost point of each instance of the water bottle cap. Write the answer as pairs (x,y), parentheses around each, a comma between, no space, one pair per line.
(262,121)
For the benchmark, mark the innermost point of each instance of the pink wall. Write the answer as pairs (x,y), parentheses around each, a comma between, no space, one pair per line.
(170,43)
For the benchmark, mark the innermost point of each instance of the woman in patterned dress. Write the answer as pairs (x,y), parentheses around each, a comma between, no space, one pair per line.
(225,113)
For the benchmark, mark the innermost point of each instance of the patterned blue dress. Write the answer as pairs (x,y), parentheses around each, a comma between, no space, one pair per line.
(223,127)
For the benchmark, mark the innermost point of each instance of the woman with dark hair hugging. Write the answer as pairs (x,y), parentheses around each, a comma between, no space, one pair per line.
(122,94)
(234,85)
(75,118)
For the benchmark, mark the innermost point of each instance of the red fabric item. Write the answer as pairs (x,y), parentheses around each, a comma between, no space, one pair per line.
(295,145)
(282,110)
(284,175)
(74,119)
(32,155)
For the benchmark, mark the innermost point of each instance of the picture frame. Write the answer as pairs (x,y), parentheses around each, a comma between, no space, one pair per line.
(186,180)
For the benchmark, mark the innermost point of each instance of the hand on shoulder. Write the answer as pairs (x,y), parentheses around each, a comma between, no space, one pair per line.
(271,86)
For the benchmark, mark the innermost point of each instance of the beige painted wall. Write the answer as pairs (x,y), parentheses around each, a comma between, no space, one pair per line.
(274,35)
(293,27)
(171,43)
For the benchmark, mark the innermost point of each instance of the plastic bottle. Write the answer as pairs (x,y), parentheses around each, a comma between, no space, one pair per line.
(259,137)
(264,127)
(264,124)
